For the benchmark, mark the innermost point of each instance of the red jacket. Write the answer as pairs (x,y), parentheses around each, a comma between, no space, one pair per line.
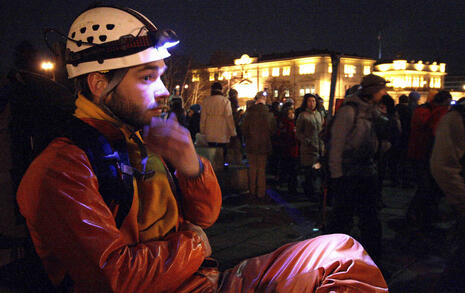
(74,231)
(286,141)
(422,130)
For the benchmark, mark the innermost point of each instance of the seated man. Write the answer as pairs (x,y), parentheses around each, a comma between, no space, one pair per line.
(153,239)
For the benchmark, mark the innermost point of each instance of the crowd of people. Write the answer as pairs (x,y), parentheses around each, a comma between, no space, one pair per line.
(344,160)
(144,232)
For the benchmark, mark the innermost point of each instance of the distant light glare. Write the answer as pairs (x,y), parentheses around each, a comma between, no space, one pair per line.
(47,65)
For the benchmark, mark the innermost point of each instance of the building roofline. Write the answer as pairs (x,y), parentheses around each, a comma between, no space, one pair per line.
(289,55)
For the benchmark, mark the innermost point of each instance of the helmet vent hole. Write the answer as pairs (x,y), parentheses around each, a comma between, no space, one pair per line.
(73,35)
(110,27)
(83,30)
(90,39)
(95,27)
(102,38)
(79,43)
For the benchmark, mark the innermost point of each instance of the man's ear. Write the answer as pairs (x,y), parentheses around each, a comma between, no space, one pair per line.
(97,83)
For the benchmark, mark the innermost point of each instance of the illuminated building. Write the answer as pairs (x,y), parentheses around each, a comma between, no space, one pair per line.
(281,75)
(405,76)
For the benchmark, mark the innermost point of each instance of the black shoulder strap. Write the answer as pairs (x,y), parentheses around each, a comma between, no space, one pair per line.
(114,186)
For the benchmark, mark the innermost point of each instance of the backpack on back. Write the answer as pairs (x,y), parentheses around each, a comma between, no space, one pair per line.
(325,135)
(37,110)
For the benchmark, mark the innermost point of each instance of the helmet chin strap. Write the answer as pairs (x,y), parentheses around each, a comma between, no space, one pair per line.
(114,82)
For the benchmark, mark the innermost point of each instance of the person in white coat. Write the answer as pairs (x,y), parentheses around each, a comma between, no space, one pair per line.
(216,119)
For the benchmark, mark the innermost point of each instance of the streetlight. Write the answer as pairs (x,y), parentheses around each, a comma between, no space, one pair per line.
(48,66)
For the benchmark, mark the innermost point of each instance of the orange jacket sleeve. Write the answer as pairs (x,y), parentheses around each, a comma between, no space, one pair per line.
(201,202)
(74,231)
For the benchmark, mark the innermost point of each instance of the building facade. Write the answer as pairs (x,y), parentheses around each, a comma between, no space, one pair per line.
(282,76)
(405,77)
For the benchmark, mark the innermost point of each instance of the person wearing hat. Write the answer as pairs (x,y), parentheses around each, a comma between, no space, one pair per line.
(352,163)
(147,236)
(216,119)
(143,236)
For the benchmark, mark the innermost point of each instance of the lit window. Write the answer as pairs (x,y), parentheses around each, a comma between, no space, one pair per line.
(302,92)
(423,82)
(397,82)
(286,93)
(286,71)
(227,75)
(366,69)
(312,89)
(435,82)
(247,74)
(349,70)
(442,67)
(408,81)
(307,69)
(220,76)
(434,66)
(275,71)
(416,81)
(307,90)
(276,93)
(330,68)
(212,76)
(195,77)
(265,73)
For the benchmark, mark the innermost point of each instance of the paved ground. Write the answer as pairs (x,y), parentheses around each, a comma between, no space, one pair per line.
(410,262)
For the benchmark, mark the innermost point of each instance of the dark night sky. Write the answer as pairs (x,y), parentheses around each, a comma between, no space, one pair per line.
(428,30)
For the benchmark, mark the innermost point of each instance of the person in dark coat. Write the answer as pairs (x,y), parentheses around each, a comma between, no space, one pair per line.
(403,168)
(193,120)
(258,126)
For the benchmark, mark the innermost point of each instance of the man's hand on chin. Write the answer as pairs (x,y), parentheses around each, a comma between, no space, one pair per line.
(173,143)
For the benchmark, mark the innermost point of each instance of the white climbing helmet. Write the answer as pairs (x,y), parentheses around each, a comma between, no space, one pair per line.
(107,37)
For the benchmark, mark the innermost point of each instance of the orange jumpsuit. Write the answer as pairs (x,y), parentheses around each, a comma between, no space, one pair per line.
(74,233)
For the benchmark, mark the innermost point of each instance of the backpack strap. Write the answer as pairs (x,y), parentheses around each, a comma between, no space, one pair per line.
(107,162)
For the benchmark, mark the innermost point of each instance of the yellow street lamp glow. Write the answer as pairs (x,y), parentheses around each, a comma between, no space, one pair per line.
(177,86)
(186,86)
(47,65)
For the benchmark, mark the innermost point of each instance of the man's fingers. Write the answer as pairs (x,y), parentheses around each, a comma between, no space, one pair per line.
(173,118)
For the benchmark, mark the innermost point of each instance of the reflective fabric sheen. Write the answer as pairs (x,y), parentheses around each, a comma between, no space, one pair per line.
(329,263)
(74,231)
